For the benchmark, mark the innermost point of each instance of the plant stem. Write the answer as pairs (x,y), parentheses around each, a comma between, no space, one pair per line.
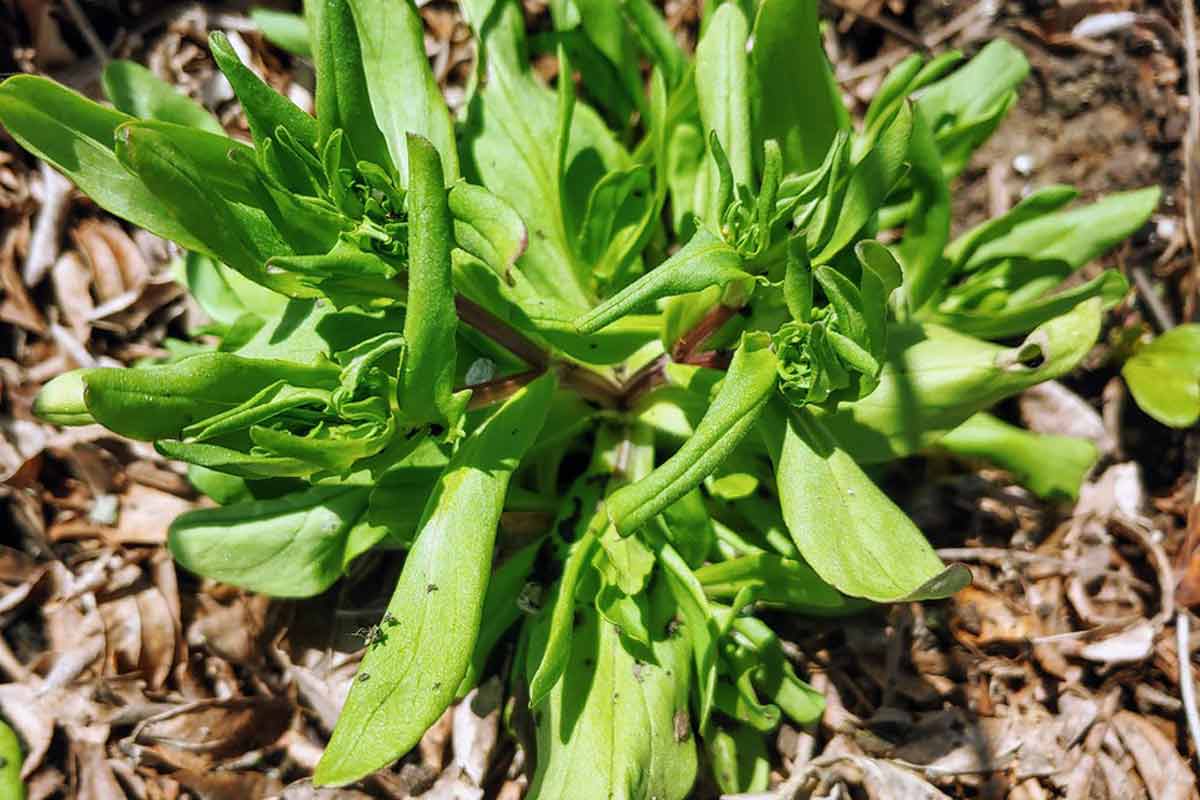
(500,332)
(709,324)
(494,391)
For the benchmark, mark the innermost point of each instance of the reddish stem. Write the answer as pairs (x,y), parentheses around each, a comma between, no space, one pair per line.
(494,391)
(709,324)
(500,332)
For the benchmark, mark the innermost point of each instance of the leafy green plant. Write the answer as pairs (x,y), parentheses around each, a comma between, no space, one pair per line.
(651,315)
(1164,376)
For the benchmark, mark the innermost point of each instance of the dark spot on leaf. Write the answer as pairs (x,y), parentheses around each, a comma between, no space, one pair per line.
(437,685)
(431,588)
(436,430)
(363,677)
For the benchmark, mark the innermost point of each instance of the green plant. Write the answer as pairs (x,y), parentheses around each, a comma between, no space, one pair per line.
(1164,376)
(657,322)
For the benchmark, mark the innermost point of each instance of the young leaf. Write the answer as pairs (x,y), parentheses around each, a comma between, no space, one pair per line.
(403,91)
(412,675)
(778,581)
(1164,377)
(138,92)
(739,758)
(742,396)
(562,619)
(290,547)
(845,527)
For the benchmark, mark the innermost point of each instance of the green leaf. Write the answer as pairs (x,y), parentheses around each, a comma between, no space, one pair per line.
(289,547)
(343,100)
(848,530)
(775,677)
(722,85)
(138,92)
(265,108)
(562,619)
(739,758)
(1164,377)
(616,725)
(284,30)
(657,39)
(77,138)
(233,462)
(794,99)
(11,785)
(741,397)
(414,673)
(1051,466)
(510,145)
(1072,237)
(928,226)
(1039,203)
(704,261)
(430,322)
(785,582)
(159,402)
(935,379)
(401,85)
(487,227)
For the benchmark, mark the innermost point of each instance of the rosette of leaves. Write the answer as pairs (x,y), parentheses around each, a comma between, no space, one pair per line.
(601,361)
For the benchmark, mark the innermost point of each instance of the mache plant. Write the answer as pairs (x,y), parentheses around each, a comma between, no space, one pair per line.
(604,360)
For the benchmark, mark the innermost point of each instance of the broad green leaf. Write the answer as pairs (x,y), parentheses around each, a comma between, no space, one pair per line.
(289,547)
(1051,466)
(616,725)
(1164,377)
(11,785)
(225,295)
(433,618)
(401,85)
(785,582)
(427,384)
(562,619)
(138,92)
(935,379)
(510,144)
(794,99)
(739,401)
(722,84)
(226,460)
(265,108)
(343,100)
(487,227)
(704,261)
(848,530)
(284,30)
(77,137)
(159,402)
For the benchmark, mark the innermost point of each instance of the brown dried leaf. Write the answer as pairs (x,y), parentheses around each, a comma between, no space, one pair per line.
(146,514)
(17,308)
(72,290)
(1165,773)
(20,707)
(217,730)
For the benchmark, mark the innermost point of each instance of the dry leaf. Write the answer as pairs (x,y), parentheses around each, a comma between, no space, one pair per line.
(1166,775)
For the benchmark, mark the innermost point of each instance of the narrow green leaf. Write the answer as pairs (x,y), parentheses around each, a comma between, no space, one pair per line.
(562,620)
(433,619)
(1051,466)
(739,401)
(343,100)
(704,261)
(722,84)
(265,108)
(430,321)
(785,582)
(285,30)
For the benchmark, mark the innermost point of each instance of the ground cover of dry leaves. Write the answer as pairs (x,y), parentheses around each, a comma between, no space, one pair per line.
(1057,674)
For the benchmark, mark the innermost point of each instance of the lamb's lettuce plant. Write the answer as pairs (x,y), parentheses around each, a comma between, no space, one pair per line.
(657,316)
